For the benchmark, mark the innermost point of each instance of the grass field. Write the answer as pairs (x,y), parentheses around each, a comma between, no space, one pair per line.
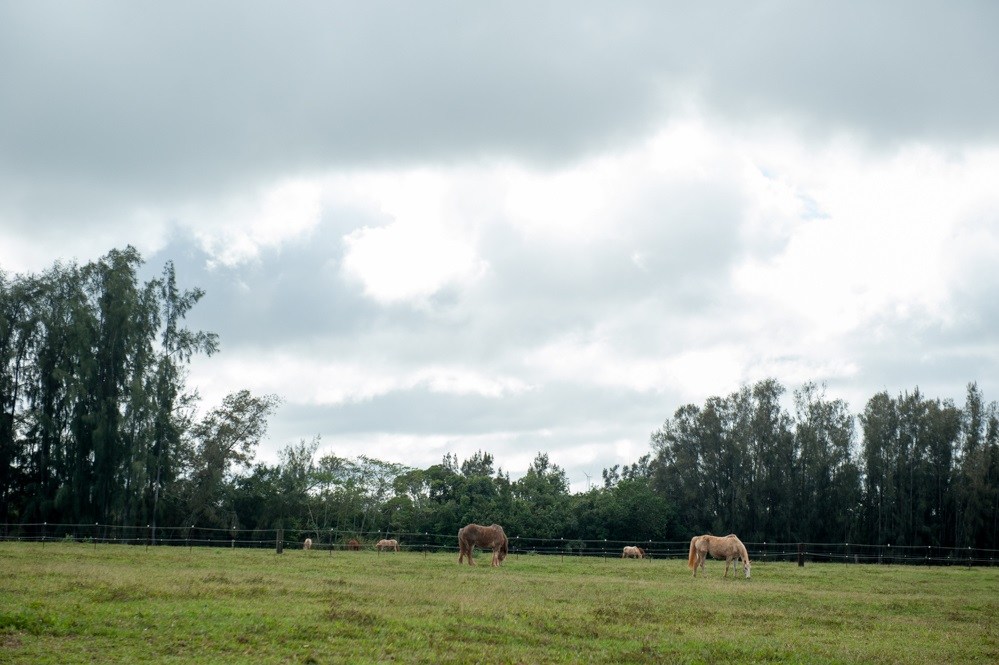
(65,603)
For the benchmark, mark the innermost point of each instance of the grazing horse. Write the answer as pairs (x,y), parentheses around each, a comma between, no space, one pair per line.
(307,544)
(387,544)
(491,536)
(633,552)
(353,545)
(725,547)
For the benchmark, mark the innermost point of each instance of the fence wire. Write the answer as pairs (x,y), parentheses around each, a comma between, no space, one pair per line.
(333,540)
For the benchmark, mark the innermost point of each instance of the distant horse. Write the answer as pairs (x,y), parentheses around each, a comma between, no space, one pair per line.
(491,536)
(633,552)
(725,547)
(387,544)
(307,544)
(353,545)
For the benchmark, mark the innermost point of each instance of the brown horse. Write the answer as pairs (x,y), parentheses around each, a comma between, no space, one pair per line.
(725,547)
(307,544)
(491,536)
(387,544)
(633,552)
(353,545)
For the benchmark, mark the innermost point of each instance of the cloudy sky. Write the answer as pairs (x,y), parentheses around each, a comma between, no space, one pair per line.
(517,227)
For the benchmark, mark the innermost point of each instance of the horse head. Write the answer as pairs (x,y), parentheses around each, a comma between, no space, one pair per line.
(746,568)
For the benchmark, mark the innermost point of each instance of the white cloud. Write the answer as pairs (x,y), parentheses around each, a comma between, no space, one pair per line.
(302,379)
(409,261)
(239,229)
(885,244)
(427,243)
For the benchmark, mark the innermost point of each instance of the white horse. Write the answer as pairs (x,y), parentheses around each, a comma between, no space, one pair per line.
(725,547)
(633,552)
(387,544)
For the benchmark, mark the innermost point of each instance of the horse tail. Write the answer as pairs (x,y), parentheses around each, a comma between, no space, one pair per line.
(692,559)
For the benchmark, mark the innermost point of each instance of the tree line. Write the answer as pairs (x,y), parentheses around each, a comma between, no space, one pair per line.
(919,471)
(97,424)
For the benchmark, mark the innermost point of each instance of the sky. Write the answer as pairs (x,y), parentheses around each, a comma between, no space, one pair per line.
(523,227)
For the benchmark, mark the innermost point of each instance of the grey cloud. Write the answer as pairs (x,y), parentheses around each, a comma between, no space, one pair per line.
(424,412)
(176,100)
(289,295)
(887,71)
(499,424)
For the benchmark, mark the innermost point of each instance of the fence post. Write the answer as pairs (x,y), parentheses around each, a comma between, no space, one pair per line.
(801,555)
(280,541)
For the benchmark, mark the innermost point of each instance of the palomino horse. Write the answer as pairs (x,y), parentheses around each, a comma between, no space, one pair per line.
(725,547)
(353,545)
(387,544)
(491,536)
(633,552)
(307,545)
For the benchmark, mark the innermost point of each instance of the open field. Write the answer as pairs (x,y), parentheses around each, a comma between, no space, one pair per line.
(69,602)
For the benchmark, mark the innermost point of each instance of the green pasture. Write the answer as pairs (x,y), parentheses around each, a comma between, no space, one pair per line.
(70,602)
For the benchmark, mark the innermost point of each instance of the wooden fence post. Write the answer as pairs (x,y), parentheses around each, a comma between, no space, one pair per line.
(801,555)
(280,541)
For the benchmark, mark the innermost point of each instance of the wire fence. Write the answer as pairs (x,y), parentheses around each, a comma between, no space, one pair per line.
(333,540)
